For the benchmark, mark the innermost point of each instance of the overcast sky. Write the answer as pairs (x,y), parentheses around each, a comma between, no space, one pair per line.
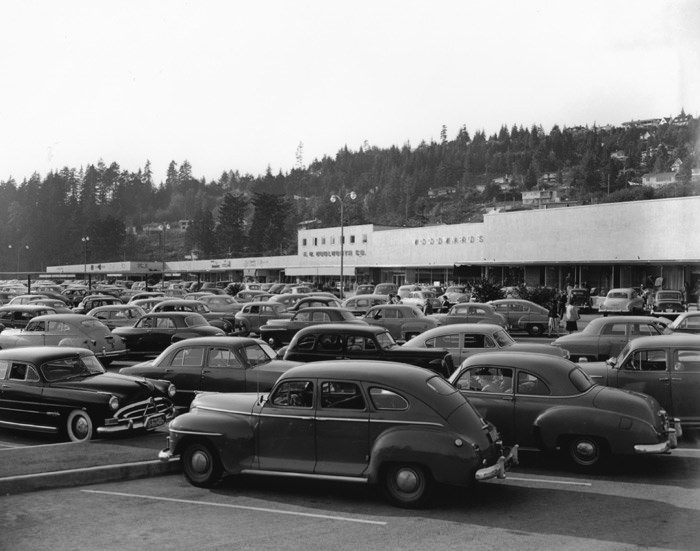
(231,85)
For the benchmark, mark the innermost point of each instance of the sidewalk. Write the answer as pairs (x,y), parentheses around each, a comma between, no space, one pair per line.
(30,468)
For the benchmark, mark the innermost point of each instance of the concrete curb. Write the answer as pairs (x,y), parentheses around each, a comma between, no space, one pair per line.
(89,475)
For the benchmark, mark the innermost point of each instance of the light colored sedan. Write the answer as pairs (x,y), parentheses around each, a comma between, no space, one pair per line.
(622,301)
(465,339)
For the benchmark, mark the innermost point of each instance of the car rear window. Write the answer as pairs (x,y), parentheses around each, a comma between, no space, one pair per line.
(441,386)
(385,399)
(195,320)
(580,380)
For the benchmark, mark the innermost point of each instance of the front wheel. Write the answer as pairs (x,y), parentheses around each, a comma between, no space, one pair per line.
(535,330)
(586,451)
(79,426)
(201,465)
(407,486)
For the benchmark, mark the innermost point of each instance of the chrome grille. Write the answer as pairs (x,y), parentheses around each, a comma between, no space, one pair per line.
(138,410)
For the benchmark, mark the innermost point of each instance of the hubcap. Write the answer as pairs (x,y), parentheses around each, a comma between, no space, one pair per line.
(585,450)
(406,480)
(199,462)
(81,427)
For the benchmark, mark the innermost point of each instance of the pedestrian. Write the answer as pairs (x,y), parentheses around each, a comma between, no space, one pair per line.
(553,326)
(571,317)
(562,305)
(428,307)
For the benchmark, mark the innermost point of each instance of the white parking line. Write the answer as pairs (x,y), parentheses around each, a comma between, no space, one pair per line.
(243,507)
(548,481)
(12,446)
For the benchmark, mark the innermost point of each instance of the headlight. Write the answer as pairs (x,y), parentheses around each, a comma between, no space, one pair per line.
(114,403)
(171,390)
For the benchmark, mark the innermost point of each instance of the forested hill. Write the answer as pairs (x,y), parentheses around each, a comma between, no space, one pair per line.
(42,220)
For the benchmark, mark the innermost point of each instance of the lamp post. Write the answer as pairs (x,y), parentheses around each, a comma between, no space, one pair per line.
(341,199)
(19,250)
(85,239)
(163,227)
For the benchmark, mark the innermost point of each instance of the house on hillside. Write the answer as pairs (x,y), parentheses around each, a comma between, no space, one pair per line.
(659,179)
(540,197)
(441,192)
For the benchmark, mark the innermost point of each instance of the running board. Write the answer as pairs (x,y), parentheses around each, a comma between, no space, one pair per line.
(329,477)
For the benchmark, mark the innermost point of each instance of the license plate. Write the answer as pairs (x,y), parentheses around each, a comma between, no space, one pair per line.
(155,421)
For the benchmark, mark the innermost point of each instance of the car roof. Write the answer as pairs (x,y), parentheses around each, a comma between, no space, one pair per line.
(23,307)
(461,327)
(673,340)
(533,361)
(64,317)
(343,328)
(218,341)
(38,354)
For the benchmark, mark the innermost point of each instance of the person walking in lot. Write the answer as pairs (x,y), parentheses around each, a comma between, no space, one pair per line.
(571,317)
(553,326)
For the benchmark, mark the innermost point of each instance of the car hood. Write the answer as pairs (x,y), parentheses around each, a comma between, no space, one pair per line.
(627,403)
(243,402)
(122,386)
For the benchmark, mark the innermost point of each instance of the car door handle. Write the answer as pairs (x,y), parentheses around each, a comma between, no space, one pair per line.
(676,378)
(664,379)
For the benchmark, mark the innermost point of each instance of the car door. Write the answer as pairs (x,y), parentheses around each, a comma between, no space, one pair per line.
(287,428)
(184,369)
(453,342)
(489,389)
(342,429)
(33,335)
(532,397)
(612,339)
(646,371)
(162,334)
(684,373)
(20,394)
(223,371)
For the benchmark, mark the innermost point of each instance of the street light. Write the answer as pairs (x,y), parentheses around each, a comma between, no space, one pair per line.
(163,227)
(341,199)
(19,250)
(85,240)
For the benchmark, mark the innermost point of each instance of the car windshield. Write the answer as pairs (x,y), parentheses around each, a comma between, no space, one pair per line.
(347,315)
(75,367)
(385,340)
(195,320)
(623,353)
(581,381)
(503,338)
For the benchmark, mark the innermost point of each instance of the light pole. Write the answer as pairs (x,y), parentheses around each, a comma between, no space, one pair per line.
(341,199)
(163,227)
(85,240)
(19,250)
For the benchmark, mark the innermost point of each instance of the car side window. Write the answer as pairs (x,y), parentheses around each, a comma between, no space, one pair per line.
(443,341)
(302,316)
(486,379)
(322,317)
(306,343)
(473,340)
(188,357)
(643,329)
(165,323)
(36,326)
(687,361)
(145,322)
(330,343)
(23,372)
(385,399)
(531,385)
(293,394)
(254,354)
(223,357)
(58,327)
(614,330)
(646,360)
(341,395)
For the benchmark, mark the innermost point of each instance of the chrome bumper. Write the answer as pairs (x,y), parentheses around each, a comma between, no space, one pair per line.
(498,469)
(165,454)
(662,447)
(149,422)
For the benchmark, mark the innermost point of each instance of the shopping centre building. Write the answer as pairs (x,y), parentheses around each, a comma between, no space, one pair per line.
(603,245)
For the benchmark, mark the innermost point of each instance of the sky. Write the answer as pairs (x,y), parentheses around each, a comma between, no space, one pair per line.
(239,85)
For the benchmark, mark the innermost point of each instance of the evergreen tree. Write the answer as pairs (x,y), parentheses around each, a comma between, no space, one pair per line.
(230,231)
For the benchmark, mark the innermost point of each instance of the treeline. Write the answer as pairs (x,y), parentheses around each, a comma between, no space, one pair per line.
(42,220)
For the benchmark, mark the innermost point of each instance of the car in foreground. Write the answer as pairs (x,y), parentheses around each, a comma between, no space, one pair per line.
(464,339)
(398,426)
(65,390)
(362,342)
(549,404)
(605,337)
(278,332)
(74,330)
(117,315)
(687,322)
(214,364)
(471,312)
(403,321)
(668,304)
(154,332)
(622,301)
(522,315)
(666,367)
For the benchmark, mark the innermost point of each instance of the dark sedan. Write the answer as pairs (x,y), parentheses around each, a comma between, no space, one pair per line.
(214,364)
(281,331)
(65,390)
(154,332)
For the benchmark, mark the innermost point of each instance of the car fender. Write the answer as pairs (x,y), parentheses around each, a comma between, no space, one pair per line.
(430,446)
(78,342)
(230,434)
(621,432)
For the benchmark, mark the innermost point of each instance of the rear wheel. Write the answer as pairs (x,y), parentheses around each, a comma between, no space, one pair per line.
(586,451)
(79,426)
(201,465)
(535,330)
(243,329)
(407,485)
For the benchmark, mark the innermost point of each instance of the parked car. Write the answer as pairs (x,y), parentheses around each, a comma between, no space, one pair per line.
(379,423)
(58,306)
(224,321)
(18,316)
(65,390)
(686,322)
(362,342)
(581,298)
(221,304)
(471,312)
(420,298)
(288,299)
(456,293)
(464,339)
(622,301)
(386,289)
(75,294)
(666,367)
(154,332)
(214,364)
(74,330)
(279,332)
(605,337)
(25,299)
(247,295)
(522,315)
(364,289)
(254,315)
(360,304)
(117,315)
(147,294)
(403,321)
(147,303)
(315,300)
(549,404)
(404,290)
(668,304)
(93,301)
